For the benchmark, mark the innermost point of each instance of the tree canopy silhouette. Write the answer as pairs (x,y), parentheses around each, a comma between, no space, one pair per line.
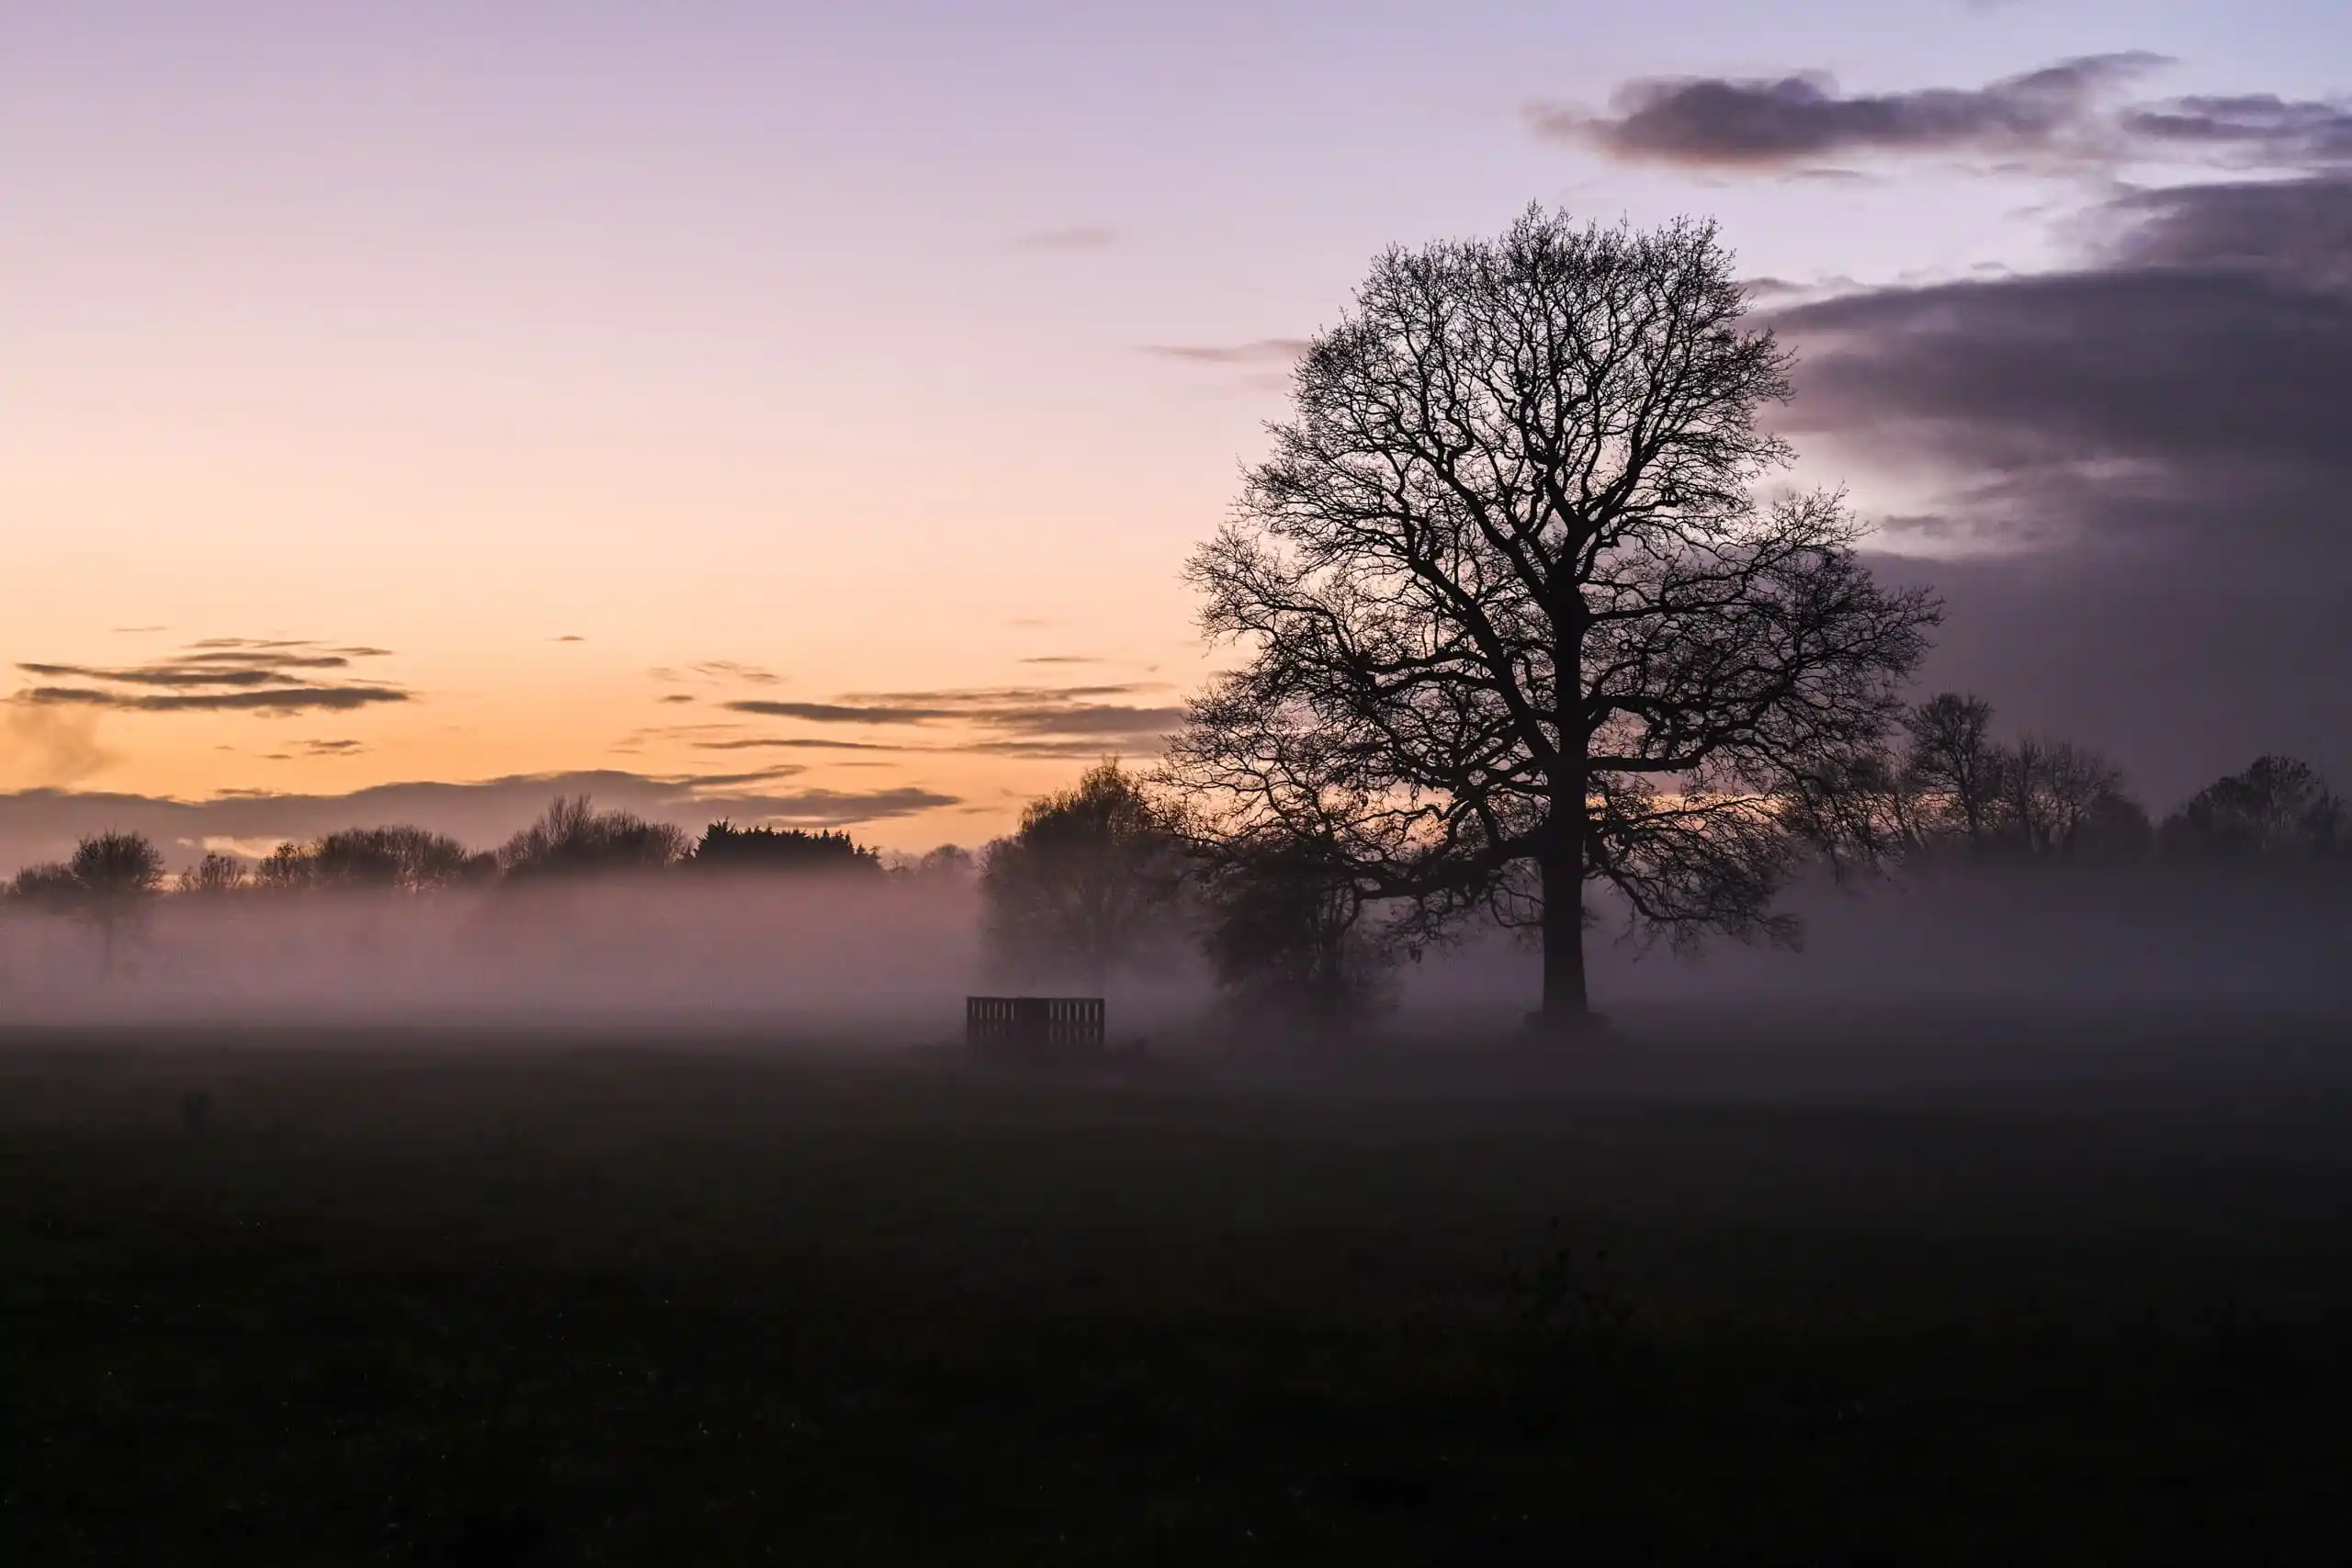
(109,878)
(49,885)
(1086,882)
(572,838)
(1518,620)
(216,873)
(1283,933)
(1953,793)
(725,848)
(114,866)
(1957,766)
(2280,809)
(398,858)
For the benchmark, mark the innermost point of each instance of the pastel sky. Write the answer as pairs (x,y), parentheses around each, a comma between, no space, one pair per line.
(662,388)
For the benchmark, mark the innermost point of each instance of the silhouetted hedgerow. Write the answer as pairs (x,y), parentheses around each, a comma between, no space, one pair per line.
(727,847)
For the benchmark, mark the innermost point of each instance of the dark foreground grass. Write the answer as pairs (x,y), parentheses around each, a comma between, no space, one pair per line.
(350,1305)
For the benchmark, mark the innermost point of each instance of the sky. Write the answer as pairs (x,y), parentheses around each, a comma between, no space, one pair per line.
(802,413)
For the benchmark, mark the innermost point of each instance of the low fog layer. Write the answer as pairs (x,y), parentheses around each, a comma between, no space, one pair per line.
(2126,939)
(796,954)
(889,961)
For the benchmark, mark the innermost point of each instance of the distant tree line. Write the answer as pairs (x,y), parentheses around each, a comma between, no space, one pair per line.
(1948,791)
(1124,869)
(111,874)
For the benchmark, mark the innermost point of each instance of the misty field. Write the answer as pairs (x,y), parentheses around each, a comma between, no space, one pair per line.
(489,1300)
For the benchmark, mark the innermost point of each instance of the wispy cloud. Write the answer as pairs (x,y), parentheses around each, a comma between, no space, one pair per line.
(703,783)
(276,700)
(221,675)
(718,671)
(735,670)
(794,743)
(844,713)
(50,746)
(967,698)
(1257,353)
(1083,751)
(2258,128)
(186,675)
(1021,715)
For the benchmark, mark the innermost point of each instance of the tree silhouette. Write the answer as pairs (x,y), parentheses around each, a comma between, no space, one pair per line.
(1280,848)
(1088,879)
(1955,762)
(1284,934)
(949,865)
(727,847)
(2061,798)
(2278,808)
(572,838)
(51,886)
(117,874)
(216,873)
(288,868)
(1956,791)
(1506,562)
(400,858)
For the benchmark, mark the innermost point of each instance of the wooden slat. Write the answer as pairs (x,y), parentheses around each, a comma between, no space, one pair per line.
(1033,1026)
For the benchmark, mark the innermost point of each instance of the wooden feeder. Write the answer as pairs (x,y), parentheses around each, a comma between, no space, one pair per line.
(1034,1029)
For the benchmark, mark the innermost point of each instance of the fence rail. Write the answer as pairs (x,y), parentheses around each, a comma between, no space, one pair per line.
(1033,1026)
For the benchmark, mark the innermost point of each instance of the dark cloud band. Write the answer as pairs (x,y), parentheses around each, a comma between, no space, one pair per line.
(272,700)
(1262,352)
(219,675)
(2140,463)
(1070,714)
(2063,114)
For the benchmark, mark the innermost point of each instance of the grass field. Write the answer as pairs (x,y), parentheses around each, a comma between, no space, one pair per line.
(359,1301)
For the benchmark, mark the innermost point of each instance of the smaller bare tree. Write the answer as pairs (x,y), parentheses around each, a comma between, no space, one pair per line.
(214,874)
(573,839)
(1957,791)
(1954,770)
(1090,882)
(117,874)
(288,868)
(1294,846)
(2058,795)
(2278,808)
(1286,938)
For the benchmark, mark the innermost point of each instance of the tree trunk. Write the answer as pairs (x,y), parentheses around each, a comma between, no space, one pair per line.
(1567,1007)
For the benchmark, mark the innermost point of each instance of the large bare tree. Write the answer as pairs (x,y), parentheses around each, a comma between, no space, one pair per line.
(1519,620)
